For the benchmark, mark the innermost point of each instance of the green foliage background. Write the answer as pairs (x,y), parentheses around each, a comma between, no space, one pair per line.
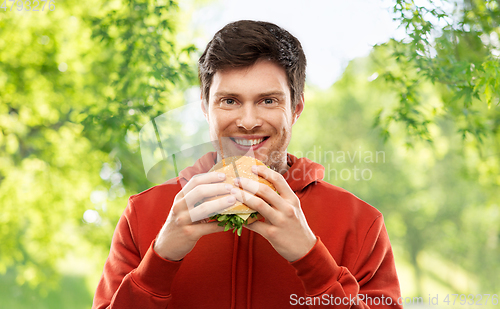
(413,129)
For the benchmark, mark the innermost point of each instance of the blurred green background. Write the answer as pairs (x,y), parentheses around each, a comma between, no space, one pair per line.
(413,129)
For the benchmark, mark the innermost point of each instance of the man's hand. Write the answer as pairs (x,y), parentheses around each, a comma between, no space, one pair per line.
(183,227)
(285,227)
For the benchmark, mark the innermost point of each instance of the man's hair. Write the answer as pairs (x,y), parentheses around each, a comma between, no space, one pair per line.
(242,43)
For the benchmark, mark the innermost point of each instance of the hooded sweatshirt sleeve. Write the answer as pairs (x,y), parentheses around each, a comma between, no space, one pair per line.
(370,283)
(134,275)
(130,280)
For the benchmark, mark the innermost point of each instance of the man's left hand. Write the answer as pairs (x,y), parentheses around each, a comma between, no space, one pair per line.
(285,226)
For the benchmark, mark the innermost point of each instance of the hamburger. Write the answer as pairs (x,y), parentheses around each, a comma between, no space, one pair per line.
(239,214)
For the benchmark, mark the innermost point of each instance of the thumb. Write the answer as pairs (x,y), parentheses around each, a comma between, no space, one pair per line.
(203,229)
(258,227)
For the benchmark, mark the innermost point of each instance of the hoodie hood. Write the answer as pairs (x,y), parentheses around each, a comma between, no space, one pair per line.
(301,173)
(202,165)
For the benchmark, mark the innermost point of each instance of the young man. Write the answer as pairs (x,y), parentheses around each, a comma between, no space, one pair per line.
(318,246)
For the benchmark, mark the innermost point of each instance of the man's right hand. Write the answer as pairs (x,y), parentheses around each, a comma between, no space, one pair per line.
(186,223)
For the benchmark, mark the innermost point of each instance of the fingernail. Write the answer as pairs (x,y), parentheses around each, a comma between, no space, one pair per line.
(228,187)
(237,181)
(254,168)
(231,199)
(234,190)
(221,175)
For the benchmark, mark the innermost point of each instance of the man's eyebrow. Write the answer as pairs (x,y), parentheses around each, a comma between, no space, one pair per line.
(264,94)
(225,94)
(271,93)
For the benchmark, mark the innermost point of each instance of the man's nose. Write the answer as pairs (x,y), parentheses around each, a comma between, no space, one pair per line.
(248,117)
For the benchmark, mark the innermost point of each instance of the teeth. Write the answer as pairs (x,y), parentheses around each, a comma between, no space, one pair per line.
(248,142)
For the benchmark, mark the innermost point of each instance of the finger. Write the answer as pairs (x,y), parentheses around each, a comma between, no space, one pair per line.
(205,178)
(206,209)
(255,203)
(259,227)
(207,228)
(203,191)
(276,179)
(263,191)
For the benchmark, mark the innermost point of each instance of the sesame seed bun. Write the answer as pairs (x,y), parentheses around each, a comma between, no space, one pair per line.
(239,166)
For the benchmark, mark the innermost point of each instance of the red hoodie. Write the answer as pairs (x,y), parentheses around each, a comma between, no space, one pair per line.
(351,265)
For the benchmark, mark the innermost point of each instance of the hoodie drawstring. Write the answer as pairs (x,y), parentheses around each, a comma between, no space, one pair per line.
(233,272)
(250,268)
(250,265)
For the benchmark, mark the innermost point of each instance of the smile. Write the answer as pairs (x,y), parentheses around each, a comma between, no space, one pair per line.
(248,142)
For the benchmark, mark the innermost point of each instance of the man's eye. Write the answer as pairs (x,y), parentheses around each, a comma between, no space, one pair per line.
(268,101)
(229,101)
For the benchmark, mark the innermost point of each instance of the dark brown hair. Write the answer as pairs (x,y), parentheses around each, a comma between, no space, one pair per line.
(242,43)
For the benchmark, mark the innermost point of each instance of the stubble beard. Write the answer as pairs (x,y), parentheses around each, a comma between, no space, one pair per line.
(276,157)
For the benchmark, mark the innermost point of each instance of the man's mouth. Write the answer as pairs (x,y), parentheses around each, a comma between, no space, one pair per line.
(248,142)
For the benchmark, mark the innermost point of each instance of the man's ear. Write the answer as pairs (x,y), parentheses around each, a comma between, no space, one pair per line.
(298,109)
(203,109)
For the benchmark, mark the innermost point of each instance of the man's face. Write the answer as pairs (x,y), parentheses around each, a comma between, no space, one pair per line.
(250,108)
